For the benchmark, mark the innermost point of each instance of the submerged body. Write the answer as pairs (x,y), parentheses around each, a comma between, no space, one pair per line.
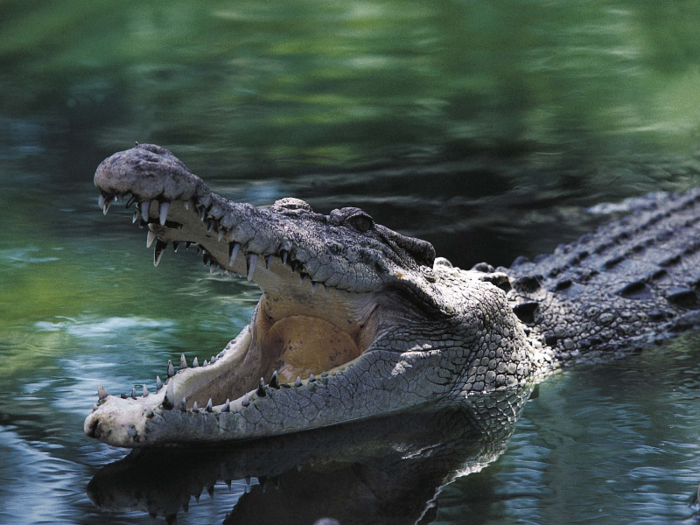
(357,321)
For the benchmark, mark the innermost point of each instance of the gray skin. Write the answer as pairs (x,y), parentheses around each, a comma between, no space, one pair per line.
(382,471)
(371,322)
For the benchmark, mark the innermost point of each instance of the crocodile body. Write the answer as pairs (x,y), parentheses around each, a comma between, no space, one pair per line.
(357,321)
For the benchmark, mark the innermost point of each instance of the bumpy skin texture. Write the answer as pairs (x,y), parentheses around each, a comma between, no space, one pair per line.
(631,282)
(439,332)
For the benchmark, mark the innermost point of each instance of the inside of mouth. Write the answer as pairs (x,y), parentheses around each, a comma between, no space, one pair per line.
(300,329)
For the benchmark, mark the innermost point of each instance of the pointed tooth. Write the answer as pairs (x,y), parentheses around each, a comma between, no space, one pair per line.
(145,391)
(135,217)
(298,381)
(194,407)
(158,251)
(171,368)
(274,381)
(252,261)
(175,246)
(133,393)
(202,213)
(220,235)
(302,279)
(101,392)
(188,244)
(186,204)
(209,406)
(261,388)
(163,216)
(234,248)
(284,256)
(145,206)
(246,400)
(183,405)
(324,374)
(227,406)
(312,378)
(210,225)
(205,363)
(314,287)
(212,267)
(195,363)
(105,208)
(183,362)
(159,383)
(169,399)
(150,237)
(131,201)
(101,201)
(268,261)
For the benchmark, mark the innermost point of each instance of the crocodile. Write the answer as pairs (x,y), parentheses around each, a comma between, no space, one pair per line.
(357,321)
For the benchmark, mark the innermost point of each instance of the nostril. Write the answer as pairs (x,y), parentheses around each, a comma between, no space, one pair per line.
(91,429)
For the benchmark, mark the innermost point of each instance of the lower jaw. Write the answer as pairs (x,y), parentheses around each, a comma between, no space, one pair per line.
(296,347)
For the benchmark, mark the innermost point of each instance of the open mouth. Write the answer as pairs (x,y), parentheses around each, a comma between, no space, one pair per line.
(301,328)
(322,346)
(309,324)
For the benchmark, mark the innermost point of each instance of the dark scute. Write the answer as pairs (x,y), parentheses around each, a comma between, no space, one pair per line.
(682,297)
(635,290)
(483,267)
(527,284)
(526,311)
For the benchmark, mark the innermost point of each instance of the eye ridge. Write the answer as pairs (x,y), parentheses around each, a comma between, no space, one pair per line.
(360,222)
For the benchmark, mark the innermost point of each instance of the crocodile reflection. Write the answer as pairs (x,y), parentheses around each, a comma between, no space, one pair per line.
(387,470)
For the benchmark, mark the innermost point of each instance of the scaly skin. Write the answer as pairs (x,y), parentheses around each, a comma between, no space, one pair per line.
(387,325)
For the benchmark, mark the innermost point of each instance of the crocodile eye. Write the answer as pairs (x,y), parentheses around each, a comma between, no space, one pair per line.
(360,222)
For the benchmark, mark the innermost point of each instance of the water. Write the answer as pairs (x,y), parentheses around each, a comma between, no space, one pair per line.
(486,129)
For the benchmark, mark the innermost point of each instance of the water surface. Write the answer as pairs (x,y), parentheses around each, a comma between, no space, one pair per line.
(489,130)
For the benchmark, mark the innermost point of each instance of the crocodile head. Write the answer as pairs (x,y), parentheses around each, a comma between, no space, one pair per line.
(351,313)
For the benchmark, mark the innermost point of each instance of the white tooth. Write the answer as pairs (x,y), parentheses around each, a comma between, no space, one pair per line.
(212,268)
(246,400)
(220,236)
(183,362)
(105,209)
(284,257)
(252,261)
(135,217)
(145,391)
(298,381)
(302,279)
(234,254)
(187,205)
(145,205)
(150,238)
(314,287)
(170,392)
(268,261)
(101,201)
(164,212)
(159,383)
(101,392)
(195,363)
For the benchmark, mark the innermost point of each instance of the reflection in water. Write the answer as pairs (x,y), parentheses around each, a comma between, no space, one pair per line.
(384,471)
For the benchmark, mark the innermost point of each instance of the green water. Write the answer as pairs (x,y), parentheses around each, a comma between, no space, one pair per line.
(486,128)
